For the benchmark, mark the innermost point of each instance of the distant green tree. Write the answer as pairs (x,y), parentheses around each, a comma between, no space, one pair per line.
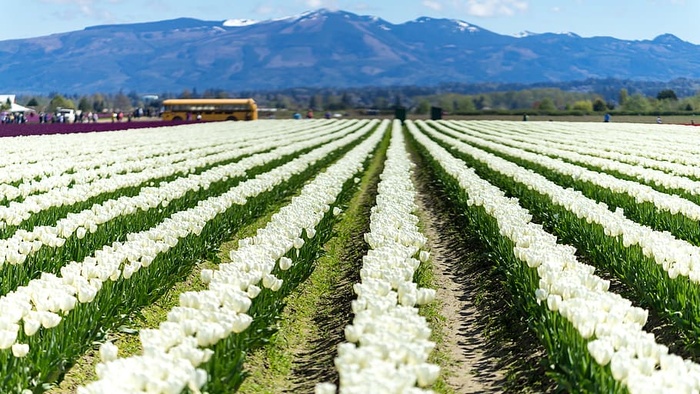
(465,104)
(623,96)
(583,105)
(122,102)
(84,104)
(32,102)
(546,105)
(667,94)
(314,102)
(59,101)
(346,100)
(637,103)
(98,102)
(482,102)
(6,105)
(688,107)
(381,102)
(397,101)
(423,107)
(447,103)
(599,105)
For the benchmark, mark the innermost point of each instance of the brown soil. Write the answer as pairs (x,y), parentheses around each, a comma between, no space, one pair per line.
(489,346)
(471,370)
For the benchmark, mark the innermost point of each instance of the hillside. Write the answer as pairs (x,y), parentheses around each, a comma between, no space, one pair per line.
(324,48)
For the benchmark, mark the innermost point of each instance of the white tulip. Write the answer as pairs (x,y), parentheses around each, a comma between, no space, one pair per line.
(241,323)
(31,325)
(86,293)
(325,388)
(108,352)
(20,350)
(80,232)
(427,374)
(285,263)
(7,339)
(298,243)
(424,256)
(49,319)
(206,276)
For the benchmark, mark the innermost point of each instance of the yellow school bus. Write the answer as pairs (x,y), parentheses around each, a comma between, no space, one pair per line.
(209,109)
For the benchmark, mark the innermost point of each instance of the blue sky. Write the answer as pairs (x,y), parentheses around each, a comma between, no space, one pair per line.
(627,19)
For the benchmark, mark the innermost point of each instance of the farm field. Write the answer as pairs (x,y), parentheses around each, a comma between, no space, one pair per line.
(355,255)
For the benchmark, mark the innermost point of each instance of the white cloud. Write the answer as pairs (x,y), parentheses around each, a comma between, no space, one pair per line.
(491,8)
(433,5)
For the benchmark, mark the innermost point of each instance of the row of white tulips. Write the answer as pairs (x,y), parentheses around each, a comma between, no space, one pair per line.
(16,212)
(71,169)
(573,149)
(22,244)
(27,155)
(388,341)
(671,143)
(173,352)
(569,288)
(27,150)
(43,301)
(641,193)
(70,172)
(655,176)
(677,257)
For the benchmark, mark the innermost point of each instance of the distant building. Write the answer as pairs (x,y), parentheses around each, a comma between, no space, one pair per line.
(15,107)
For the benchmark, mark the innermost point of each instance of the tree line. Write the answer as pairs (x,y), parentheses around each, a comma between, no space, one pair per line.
(452,98)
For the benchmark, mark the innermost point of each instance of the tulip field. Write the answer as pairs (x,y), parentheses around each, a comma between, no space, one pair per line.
(97,226)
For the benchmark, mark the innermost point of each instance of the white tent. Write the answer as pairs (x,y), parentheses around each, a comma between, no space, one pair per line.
(15,107)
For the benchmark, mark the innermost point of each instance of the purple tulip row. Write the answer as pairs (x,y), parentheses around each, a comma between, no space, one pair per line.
(14,130)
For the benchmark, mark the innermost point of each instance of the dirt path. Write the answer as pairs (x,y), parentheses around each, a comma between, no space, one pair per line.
(488,345)
(473,368)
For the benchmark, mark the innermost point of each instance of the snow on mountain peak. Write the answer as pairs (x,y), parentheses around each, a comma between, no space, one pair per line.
(525,33)
(464,26)
(239,22)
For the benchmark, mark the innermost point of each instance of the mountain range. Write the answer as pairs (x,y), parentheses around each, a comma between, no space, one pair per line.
(324,49)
